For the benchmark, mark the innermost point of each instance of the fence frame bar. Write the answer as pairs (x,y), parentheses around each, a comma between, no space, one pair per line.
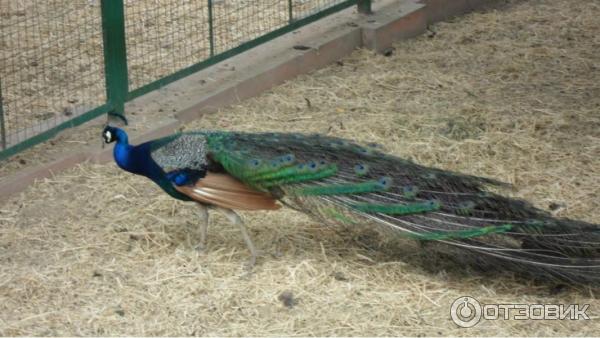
(237,50)
(116,67)
(115,54)
(211,28)
(364,6)
(48,134)
(290,12)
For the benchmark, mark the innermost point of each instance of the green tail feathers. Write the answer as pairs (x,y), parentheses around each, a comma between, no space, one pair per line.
(397,209)
(344,183)
(461,234)
(339,189)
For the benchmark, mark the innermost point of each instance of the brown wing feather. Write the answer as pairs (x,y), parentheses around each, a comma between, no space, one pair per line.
(225,191)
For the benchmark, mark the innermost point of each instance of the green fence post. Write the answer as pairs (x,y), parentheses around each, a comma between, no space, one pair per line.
(290,11)
(364,6)
(2,127)
(211,28)
(115,54)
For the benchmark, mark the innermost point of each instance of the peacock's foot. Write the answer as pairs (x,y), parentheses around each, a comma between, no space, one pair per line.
(251,262)
(200,248)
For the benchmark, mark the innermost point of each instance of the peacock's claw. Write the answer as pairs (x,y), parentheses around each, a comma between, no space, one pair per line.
(200,248)
(249,265)
(203,229)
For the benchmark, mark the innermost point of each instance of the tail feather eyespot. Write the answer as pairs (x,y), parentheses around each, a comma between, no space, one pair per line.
(384,182)
(254,163)
(434,204)
(364,151)
(287,159)
(465,208)
(361,169)
(410,191)
(274,164)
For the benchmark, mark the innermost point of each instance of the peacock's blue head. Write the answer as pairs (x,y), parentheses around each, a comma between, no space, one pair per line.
(112,134)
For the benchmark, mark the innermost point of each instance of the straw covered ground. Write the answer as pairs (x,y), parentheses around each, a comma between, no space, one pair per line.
(510,93)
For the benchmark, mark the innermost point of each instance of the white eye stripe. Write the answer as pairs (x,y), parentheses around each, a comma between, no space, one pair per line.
(108,135)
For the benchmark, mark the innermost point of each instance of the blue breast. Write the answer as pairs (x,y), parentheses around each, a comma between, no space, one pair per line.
(185,176)
(137,160)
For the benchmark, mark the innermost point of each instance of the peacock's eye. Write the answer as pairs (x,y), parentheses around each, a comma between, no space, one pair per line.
(107,136)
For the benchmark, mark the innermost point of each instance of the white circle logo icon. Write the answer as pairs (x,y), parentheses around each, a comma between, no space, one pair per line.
(465,311)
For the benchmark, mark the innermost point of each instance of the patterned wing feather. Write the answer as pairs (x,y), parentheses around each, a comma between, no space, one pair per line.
(180,151)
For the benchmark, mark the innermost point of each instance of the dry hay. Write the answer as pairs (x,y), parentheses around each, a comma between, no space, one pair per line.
(509,94)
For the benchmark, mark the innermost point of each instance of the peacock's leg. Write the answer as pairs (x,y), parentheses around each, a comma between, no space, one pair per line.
(236,219)
(203,214)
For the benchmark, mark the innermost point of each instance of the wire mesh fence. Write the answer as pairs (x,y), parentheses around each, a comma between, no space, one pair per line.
(63,62)
(304,8)
(234,22)
(162,39)
(51,66)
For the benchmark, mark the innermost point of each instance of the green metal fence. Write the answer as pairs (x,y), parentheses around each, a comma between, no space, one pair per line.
(65,62)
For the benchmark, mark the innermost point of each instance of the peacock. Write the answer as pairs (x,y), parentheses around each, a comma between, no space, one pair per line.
(344,183)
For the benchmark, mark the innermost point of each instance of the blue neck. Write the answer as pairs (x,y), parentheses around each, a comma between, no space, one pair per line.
(123,153)
(138,160)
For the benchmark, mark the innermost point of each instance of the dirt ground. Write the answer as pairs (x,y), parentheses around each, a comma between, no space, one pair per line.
(510,93)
